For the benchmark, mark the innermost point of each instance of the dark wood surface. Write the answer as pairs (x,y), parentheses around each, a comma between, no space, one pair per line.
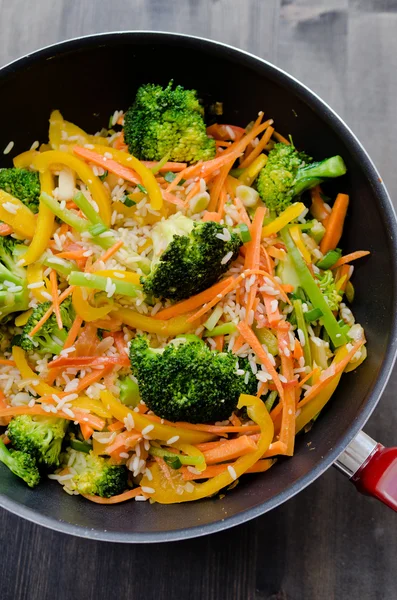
(328,543)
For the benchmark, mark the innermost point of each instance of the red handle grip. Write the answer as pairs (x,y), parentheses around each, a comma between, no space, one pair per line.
(378,476)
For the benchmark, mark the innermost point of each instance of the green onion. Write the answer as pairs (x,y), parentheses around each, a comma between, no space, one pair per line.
(86,207)
(244,233)
(103,177)
(270,400)
(169,176)
(66,215)
(313,315)
(160,164)
(64,269)
(176,460)
(142,188)
(224,329)
(128,202)
(97,229)
(329,259)
(96,282)
(301,323)
(80,446)
(214,317)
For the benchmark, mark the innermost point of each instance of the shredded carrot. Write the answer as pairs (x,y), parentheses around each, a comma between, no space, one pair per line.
(129,495)
(287,431)
(298,351)
(267,260)
(256,346)
(168,166)
(252,257)
(211,216)
(235,421)
(119,143)
(49,312)
(312,373)
(193,302)
(116,426)
(164,467)
(259,147)
(86,431)
(6,361)
(275,449)
(272,312)
(349,257)
(218,184)
(195,190)
(91,378)
(124,440)
(55,300)
(73,332)
(4,404)
(242,212)
(276,253)
(334,226)
(222,202)
(229,450)
(318,207)
(219,340)
(79,416)
(281,138)
(342,278)
(5,229)
(107,163)
(88,361)
(109,253)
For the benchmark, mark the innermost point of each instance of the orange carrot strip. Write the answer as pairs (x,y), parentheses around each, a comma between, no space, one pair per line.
(168,166)
(79,416)
(125,440)
(252,256)
(114,499)
(91,378)
(73,332)
(88,361)
(190,304)
(298,351)
(86,431)
(211,216)
(55,301)
(5,229)
(276,253)
(334,227)
(109,253)
(48,313)
(107,163)
(261,146)
(216,429)
(230,450)
(256,346)
(287,431)
(308,376)
(209,445)
(332,370)
(235,421)
(6,361)
(349,257)
(4,404)
(318,208)
(242,212)
(222,202)
(218,184)
(273,316)
(281,138)
(275,449)
(116,426)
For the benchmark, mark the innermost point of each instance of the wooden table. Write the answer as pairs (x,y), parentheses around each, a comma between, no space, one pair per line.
(328,543)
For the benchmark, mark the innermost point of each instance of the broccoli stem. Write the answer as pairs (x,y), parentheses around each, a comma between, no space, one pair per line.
(314,173)
(224,329)
(301,323)
(97,282)
(64,269)
(270,400)
(313,291)
(176,460)
(88,209)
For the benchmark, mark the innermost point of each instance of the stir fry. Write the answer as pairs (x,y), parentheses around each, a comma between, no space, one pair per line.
(174,301)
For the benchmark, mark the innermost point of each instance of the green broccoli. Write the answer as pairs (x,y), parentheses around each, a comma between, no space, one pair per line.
(288,173)
(188,257)
(41,437)
(332,296)
(167,122)
(21,464)
(129,392)
(22,184)
(14,296)
(186,381)
(94,474)
(49,339)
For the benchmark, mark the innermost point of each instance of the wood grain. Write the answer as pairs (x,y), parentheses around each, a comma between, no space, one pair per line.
(328,543)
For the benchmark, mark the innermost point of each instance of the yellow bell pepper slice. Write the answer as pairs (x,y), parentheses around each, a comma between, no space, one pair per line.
(44,224)
(25,159)
(98,192)
(84,309)
(23,318)
(250,173)
(60,130)
(167,493)
(288,215)
(296,235)
(127,275)
(172,327)
(93,405)
(159,431)
(34,274)
(22,220)
(309,410)
(42,388)
(148,179)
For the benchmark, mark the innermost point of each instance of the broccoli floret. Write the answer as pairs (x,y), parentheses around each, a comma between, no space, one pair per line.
(95,474)
(41,437)
(14,295)
(332,296)
(129,392)
(22,184)
(21,464)
(288,173)
(186,381)
(188,257)
(167,122)
(49,339)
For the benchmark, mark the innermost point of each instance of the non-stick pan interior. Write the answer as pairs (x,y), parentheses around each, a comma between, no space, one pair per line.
(90,78)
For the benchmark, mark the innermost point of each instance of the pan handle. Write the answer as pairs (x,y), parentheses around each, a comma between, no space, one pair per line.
(371,467)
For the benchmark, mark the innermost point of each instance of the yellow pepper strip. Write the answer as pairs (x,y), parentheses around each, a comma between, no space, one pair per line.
(42,388)
(309,410)
(25,160)
(60,130)
(250,173)
(84,172)
(159,431)
(148,179)
(94,406)
(288,215)
(172,327)
(167,493)
(127,275)
(22,319)
(44,224)
(84,309)
(296,235)
(352,366)
(22,220)
(34,274)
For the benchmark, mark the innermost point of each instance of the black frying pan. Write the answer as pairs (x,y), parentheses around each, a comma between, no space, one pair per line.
(87,79)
